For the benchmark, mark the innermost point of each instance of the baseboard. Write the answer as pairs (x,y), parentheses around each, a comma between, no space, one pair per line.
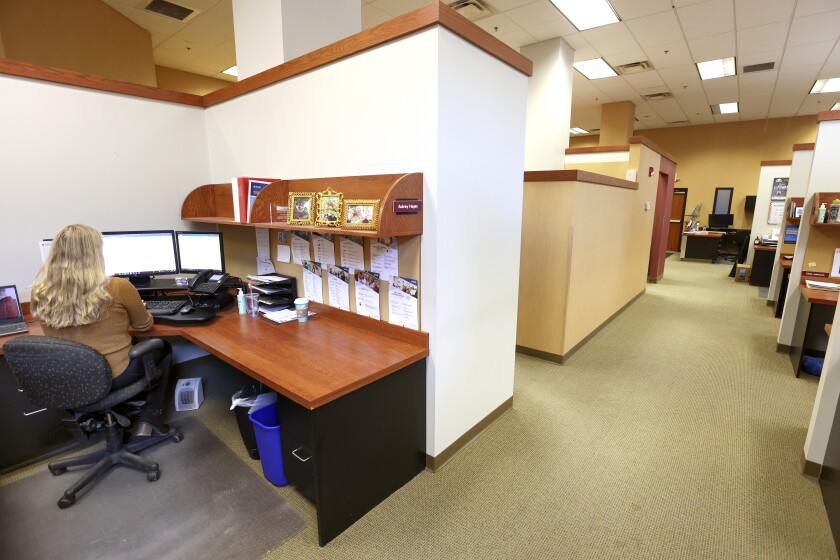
(771,303)
(560,358)
(652,280)
(809,469)
(783,348)
(437,462)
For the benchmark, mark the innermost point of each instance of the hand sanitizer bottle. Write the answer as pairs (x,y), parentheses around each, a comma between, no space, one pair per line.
(240,302)
(821,214)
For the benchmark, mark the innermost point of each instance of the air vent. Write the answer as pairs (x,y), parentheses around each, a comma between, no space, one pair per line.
(679,123)
(634,67)
(170,10)
(658,96)
(471,9)
(758,67)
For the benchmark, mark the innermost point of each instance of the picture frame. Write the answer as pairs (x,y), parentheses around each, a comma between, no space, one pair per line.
(329,205)
(301,208)
(361,214)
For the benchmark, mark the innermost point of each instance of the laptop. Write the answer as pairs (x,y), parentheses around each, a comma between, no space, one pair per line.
(11,315)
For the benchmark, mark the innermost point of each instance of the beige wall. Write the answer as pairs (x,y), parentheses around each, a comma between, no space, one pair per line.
(725,155)
(178,80)
(87,36)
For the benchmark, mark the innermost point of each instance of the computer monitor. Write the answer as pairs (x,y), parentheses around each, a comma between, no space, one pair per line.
(138,255)
(720,220)
(200,250)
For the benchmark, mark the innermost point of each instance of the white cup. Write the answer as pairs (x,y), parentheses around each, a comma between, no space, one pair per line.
(302,309)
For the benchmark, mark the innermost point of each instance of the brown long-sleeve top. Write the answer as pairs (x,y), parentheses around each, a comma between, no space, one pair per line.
(110,335)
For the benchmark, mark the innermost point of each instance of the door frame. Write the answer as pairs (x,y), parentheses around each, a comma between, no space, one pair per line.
(681,190)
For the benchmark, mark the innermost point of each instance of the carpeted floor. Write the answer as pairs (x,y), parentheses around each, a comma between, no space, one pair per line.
(675,433)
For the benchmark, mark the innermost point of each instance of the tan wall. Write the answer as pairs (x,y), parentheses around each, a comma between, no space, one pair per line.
(725,155)
(187,82)
(87,36)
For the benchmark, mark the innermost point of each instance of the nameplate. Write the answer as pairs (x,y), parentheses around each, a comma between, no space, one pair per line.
(408,206)
(815,274)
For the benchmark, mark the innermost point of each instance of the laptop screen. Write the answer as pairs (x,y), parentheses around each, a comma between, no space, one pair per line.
(10,311)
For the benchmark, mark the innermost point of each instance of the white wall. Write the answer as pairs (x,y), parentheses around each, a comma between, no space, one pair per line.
(760,226)
(824,172)
(401,108)
(71,155)
(549,104)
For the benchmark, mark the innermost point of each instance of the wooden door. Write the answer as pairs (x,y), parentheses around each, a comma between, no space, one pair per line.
(675,226)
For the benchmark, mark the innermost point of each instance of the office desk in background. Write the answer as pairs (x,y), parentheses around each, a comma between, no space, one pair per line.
(809,335)
(701,245)
(352,396)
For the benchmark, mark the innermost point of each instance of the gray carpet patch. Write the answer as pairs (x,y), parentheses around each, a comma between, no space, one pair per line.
(206,503)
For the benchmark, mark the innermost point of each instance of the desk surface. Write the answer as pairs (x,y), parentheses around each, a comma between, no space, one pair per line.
(311,363)
(703,233)
(826,297)
(785,263)
(765,248)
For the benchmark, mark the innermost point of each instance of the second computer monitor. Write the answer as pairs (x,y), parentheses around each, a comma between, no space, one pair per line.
(200,250)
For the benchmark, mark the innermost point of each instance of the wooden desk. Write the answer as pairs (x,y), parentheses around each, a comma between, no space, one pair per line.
(701,245)
(809,327)
(352,399)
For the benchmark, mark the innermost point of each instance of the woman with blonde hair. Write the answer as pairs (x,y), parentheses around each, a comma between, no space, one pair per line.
(74,299)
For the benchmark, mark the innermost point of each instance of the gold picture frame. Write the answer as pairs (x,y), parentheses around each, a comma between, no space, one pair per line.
(360,214)
(328,208)
(301,208)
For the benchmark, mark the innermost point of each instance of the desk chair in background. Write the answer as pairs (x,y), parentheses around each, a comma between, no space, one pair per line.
(732,244)
(65,375)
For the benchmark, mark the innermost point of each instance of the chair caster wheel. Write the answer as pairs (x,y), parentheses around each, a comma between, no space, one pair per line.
(152,476)
(66,502)
(178,437)
(55,471)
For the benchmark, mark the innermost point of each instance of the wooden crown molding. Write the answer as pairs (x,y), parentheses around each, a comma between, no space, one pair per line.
(650,144)
(770,162)
(828,116)
(433,14)
(803,147)
(580,176)
(598,149)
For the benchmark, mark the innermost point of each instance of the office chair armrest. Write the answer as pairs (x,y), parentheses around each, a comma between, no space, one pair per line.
(144,347)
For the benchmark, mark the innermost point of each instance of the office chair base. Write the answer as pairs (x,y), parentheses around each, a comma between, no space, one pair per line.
(115,453)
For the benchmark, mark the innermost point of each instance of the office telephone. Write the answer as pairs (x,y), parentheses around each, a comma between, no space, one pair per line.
(207,282)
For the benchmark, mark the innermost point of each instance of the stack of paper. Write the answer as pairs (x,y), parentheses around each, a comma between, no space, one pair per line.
(275,289)
(822,285)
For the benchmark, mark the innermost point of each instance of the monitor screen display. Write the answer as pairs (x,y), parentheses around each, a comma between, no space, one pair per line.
(198,250)
(139,253)
(720,220)
(10,311)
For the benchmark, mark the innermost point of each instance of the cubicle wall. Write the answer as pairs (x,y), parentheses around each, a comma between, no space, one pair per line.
(770,171)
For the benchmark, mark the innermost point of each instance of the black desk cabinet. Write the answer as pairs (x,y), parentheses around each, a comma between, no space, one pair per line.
(28,433)
(762,268)
(350,454)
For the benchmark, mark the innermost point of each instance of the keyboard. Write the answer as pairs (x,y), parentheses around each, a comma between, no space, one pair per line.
(165,306)
(13,328)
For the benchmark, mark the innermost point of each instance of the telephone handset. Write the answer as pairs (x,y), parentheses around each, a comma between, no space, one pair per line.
(207,282)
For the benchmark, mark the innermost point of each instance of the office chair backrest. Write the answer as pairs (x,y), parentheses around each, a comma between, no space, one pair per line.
(57,373)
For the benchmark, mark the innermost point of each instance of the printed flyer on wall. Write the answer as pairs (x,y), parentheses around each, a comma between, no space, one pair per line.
(367,293)
(402,302)
(313,286)
(339,287)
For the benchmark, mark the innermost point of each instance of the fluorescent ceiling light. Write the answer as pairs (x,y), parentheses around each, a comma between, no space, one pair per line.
(836,107)
(232,71)
(587,14)
(577,130)
(830,85)
(716,68)
(595,68)
(725,108)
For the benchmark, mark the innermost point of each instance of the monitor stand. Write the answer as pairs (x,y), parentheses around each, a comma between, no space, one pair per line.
(140,281)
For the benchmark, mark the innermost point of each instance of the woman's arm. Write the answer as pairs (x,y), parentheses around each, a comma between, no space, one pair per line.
(138,315)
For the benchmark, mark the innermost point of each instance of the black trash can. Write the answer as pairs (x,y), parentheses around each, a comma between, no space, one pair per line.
(246,427)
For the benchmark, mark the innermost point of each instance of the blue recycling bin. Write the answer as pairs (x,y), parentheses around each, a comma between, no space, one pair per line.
(267,431)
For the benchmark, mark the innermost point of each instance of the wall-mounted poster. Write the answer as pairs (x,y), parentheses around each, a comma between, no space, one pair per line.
(779,191)
(776,213)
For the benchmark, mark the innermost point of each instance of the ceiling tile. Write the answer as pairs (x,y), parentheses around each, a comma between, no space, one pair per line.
(830,70)
(758,81)
(694,105)
(611,39)
(682,79)
(397,7)
(372,15)
(575,41)
(534,13)
(811,7)
(625,58)
(721,90)
(516,39)
(668,56)
(754,13)
(814,29)
(121,8)
(658,29)
(632,9)
(814,104)
(680,3)
(712,17)
(504,5)
(587,53)
(759,58)
(497,25)
(732,117)
(669,110)
(645,81)
(554,28)
(218,19)
(761,39)
(807,54)
(711,48)
(224,54)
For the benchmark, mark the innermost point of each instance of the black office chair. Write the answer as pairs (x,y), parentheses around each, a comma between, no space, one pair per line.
(65,375)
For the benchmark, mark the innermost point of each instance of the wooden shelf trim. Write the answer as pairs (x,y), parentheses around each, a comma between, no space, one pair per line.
(764,248)
(213,204)
(650,144)
(406,24)
(72,78)
(828,116)
(598,149)
(803,147)
(826,297)
(580,176)
(819,198)
(771,162)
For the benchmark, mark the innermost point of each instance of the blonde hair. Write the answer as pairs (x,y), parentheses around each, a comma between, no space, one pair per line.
(71,288)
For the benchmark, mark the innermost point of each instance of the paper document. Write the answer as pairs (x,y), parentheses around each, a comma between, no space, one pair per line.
(300,247)
(283,316)
(352,253)
(313,286)
(284,253)
(402,302)
(339,287)
(264,265)
(384,258)
(44,245)
(367,294)
(323,248)
(813,284)
(262,243)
